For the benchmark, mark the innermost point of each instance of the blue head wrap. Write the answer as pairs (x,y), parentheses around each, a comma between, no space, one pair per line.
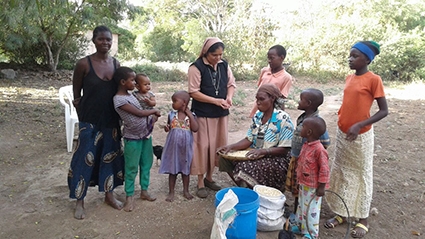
(365,49)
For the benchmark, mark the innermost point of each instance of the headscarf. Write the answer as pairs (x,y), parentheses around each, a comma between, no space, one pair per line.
(273,91)
(369,48)
(207,44)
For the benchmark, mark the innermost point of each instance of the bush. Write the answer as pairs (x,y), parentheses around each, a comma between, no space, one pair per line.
(402,58)
(158,73)
(242,74)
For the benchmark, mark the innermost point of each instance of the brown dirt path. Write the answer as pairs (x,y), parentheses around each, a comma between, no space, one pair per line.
(34,199)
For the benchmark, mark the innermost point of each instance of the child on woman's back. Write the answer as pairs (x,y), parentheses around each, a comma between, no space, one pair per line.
(137,126)
(310,100)
(313,176)
(144,94)
(178,148)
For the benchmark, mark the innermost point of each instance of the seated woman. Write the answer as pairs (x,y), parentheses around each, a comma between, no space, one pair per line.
(269,138)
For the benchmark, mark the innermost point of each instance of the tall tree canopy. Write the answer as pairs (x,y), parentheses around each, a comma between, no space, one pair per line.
(37,31)
(316,34)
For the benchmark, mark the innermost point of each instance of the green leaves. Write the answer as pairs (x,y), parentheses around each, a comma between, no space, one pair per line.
(42,29)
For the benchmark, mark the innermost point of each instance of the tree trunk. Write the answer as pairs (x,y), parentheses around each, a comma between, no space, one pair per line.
(50,60)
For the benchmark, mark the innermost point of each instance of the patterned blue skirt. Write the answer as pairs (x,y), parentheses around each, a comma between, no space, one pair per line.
(97,160)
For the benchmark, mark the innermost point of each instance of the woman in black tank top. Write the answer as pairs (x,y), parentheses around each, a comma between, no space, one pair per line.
(97,159)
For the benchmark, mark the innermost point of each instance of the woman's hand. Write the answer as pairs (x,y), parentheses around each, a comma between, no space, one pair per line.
(229,101)
(222,103)
(353,132)
(256,153)
(76,102)
(224,149)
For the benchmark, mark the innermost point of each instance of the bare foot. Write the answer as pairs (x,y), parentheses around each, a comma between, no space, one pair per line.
(144,195)
(79,210)
(129,204)
(187,195)
(170,197)
(112,201)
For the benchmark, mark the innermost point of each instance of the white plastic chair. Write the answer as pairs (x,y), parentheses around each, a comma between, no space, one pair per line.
(66,96)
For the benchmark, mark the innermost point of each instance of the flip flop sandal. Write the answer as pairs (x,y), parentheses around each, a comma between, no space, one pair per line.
(337,218)
(307,236)
(296,230)
(361,226)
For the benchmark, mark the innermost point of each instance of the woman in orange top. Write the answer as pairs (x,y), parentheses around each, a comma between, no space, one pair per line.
(275,73)
(352,169)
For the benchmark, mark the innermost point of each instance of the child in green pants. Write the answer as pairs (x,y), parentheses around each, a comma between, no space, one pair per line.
(138,125)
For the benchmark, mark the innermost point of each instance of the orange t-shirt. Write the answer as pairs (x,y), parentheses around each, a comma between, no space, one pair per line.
(359,94)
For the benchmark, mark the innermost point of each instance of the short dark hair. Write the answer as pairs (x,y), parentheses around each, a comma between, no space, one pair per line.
(122,73)
(139,75)
(315,96)
(182,94)
(317,124)
(100,29)
(281,51)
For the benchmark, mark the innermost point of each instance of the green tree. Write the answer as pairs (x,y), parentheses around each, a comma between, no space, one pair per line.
(322,32)
(175,30)
(160,30)
(125,44)
(38,31)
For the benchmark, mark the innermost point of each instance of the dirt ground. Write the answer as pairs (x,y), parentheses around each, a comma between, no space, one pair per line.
(34,163)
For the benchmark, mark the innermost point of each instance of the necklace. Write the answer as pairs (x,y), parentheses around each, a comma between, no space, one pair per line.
(259,142)
(214,80)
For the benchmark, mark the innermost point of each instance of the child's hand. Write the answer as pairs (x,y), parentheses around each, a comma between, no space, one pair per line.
(187,111)
(157,113)
(154,118)
(167,128)
(320,191)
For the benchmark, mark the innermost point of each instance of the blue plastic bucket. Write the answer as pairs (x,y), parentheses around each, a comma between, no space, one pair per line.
(245,224)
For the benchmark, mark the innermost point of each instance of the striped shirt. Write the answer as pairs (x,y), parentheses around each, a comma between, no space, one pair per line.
(134,127)
(277,131)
